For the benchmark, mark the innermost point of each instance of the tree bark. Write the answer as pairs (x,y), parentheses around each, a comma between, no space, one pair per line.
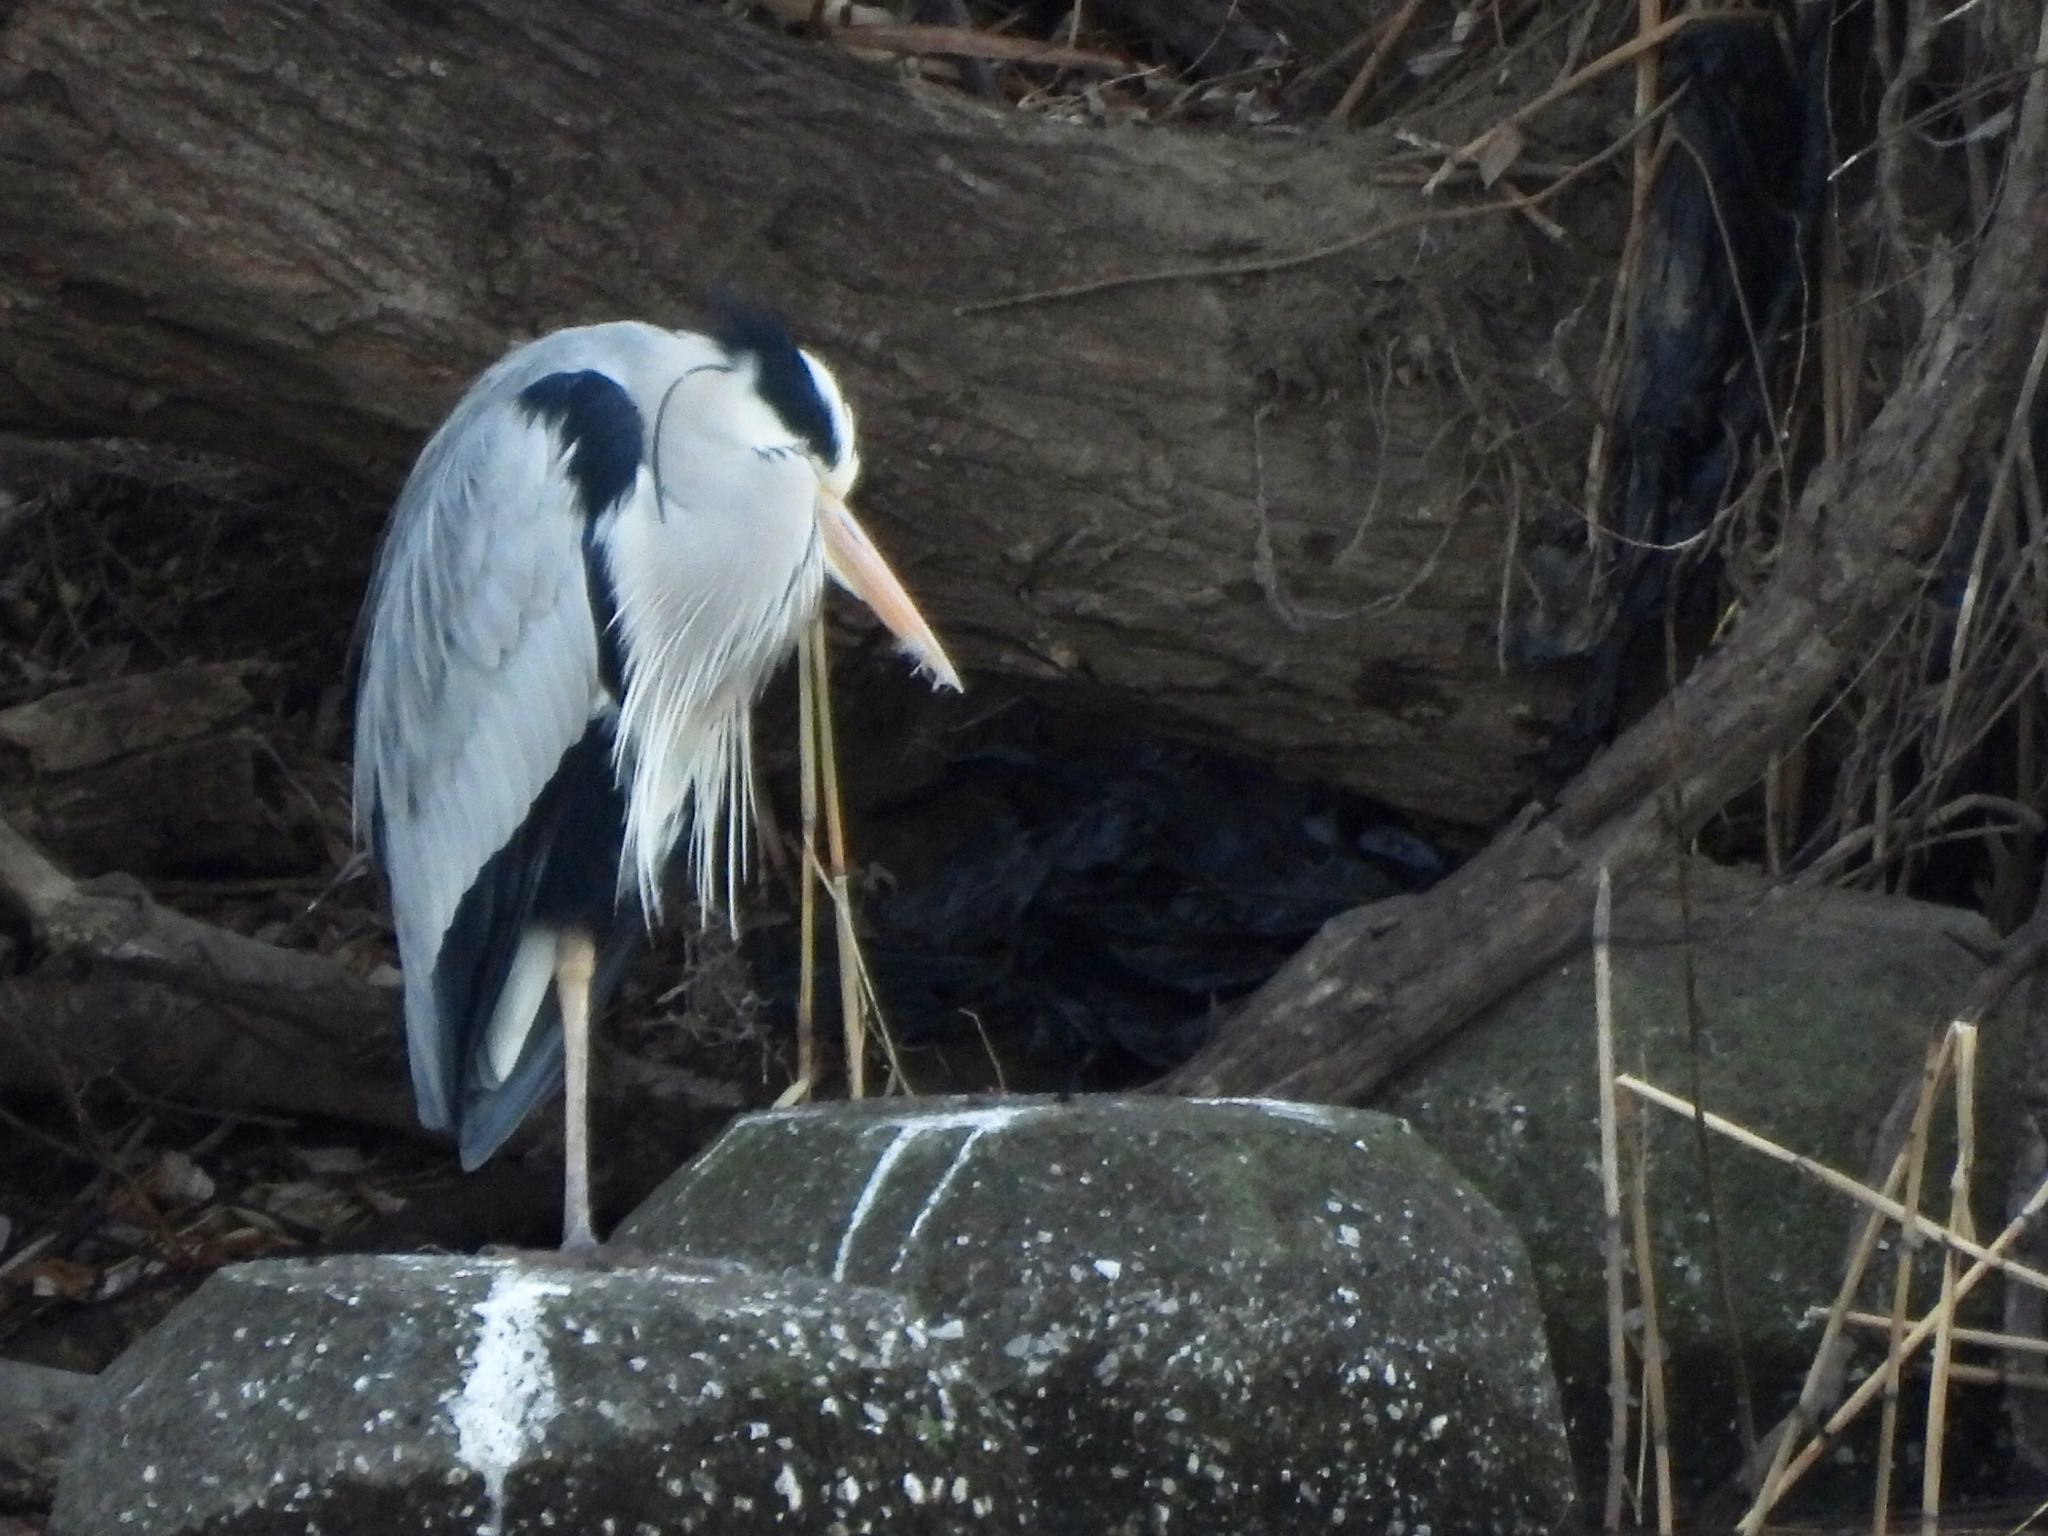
(1378,987)
(1268,512)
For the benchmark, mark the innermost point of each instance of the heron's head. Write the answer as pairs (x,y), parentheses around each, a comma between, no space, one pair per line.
(800,393)
(806,401)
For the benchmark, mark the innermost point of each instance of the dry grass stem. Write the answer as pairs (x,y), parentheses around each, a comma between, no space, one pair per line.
(929,40)
(1940,1057)
(1805,1418)
(1944,1332)
(1656,1405)
(852,1001)
(1999,1376)
(1859,1399)
(1255,266)
(1805,1415)
(859,1006)
(1990,1257)
(1986,1338)
(807,884)
(1610,1202)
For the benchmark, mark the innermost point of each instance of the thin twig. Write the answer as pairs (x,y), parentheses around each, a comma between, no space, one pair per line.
(1642,43)
(923,40)
(1391,33)
(1695,1055)
(1996,501)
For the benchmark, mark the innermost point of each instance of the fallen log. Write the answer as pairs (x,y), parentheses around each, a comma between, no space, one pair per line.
(1270,511)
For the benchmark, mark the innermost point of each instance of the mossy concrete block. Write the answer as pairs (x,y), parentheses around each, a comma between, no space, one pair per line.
(1208,1317)
(1815,1008)
(366,1396)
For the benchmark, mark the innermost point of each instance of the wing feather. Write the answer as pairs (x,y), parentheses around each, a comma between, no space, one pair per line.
(479,672)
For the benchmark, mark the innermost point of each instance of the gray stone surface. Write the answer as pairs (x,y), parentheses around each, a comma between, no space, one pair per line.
(1227,1318)
(376,1396)
(1815,1008)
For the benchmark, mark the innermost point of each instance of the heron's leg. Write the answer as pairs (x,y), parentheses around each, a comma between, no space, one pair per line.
(575,964)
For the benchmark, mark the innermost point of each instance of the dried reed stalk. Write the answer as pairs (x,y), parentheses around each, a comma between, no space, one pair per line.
(1999,1376)
(1944,1332)
(1656,1406)
(1610,1201)
(1988,1256)
(852,1003)
(1939,1057)
(1987,1338)
(807,901)
(1805,1415)
(1858,1400)
(859,1007)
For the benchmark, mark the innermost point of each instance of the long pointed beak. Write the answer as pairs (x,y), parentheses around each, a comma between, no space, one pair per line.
(858,566)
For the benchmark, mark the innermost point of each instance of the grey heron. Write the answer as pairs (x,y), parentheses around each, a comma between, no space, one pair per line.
(599,559)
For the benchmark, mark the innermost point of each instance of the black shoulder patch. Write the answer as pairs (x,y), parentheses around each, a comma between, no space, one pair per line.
(785,381)
(601,427)
(604,612)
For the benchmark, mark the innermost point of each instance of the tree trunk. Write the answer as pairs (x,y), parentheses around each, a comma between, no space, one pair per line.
(1269,512)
